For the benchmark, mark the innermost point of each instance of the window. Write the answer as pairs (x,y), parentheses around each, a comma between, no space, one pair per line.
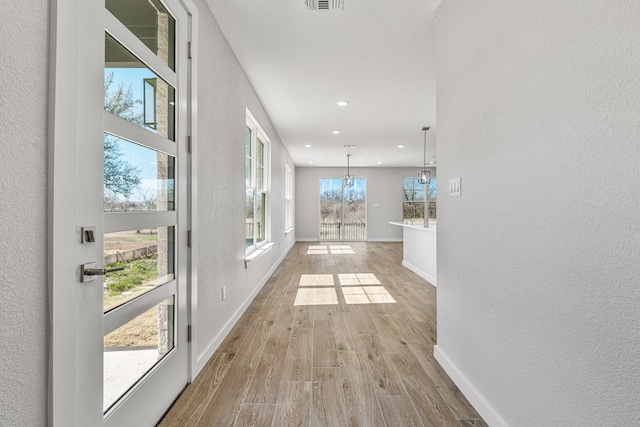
(256,180)
(432,193)
(413,200)
(288,199)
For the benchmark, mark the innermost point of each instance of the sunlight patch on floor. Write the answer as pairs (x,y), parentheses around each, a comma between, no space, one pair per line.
(358,279)
(316,296)
(317,250)
(316,280)
(341,249)
(356,288)
(367,295)
(335,250)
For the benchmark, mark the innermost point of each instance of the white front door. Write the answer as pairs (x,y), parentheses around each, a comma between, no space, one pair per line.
(120,351)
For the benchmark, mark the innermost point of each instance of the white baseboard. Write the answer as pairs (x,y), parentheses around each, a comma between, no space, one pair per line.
(486,411)
(429,278)
(385,239)
(307,239)
(206,354)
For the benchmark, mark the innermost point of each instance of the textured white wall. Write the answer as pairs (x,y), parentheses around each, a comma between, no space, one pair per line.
(538,261)
(223,94)
(23,212)
(384,188)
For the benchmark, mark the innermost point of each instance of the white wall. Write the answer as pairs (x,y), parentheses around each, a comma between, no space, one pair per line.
(539,260)
(384,189)
(23,212)
(224,93)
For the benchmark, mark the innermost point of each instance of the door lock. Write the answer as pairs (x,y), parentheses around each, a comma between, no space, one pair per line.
(88,273)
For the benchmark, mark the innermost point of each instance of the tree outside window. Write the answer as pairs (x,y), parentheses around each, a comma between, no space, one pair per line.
(413,201)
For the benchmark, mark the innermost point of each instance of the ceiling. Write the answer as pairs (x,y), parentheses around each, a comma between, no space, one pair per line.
(377,54)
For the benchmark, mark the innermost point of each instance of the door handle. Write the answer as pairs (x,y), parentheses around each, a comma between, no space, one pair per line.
(100,271)
(89,273)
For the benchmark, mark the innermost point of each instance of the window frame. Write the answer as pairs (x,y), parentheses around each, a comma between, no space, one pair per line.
(416,188)
(426,201)
(288,199)
(257,136)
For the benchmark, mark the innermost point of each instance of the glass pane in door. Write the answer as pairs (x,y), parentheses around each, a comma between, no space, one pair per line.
(134,348)
(135,93)
(147,257)
(150,22)
(330,208)
(137,178)
(354,211)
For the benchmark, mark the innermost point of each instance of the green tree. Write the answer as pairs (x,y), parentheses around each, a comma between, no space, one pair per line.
(120,176)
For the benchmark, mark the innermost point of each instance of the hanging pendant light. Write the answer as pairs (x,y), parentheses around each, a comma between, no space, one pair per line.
(348,179)
(424,175)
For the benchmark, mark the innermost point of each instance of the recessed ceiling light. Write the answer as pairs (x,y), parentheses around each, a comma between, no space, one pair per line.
(400,146)
(307,146)
(335,132)
(379,163)
(343,103)
(310,163)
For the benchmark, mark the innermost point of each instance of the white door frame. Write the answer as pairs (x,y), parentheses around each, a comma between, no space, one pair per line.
(72,41)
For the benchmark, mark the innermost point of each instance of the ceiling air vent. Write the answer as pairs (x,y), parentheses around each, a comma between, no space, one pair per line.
(325,4)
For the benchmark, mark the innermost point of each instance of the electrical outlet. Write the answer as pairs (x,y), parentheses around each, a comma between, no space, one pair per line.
(224,293)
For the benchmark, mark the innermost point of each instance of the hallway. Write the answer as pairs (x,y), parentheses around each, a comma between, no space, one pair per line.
(341,335)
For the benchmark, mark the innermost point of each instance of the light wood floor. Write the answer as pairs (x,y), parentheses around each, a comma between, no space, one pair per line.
(335,339)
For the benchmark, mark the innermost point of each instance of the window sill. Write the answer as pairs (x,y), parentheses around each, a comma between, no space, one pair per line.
(255,254)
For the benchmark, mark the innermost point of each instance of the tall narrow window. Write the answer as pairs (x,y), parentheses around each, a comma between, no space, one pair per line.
(432,193)
(256,179)
(288,199)
(412,201)
(414,198)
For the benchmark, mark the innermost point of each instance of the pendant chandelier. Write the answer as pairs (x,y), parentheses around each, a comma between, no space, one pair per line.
(424,175)
(348,179)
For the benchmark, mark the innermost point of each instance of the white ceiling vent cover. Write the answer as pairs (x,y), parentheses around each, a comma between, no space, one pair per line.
(325,4)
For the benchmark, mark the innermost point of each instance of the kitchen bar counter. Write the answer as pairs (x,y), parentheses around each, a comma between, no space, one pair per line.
(419,250)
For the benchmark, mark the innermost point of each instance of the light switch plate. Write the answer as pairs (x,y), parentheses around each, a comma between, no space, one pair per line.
(454,187)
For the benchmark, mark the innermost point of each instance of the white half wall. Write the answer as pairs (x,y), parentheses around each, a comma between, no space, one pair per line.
(24,31)
(419,252)
(538,261)
(384,199)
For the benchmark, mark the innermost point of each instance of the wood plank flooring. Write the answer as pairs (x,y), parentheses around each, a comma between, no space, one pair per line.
(333,339)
